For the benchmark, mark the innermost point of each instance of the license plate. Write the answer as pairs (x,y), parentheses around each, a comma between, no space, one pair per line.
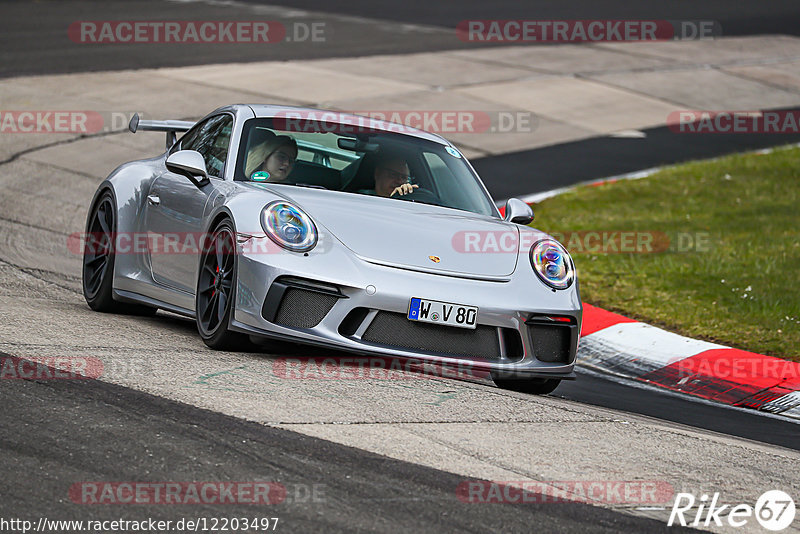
(444,313)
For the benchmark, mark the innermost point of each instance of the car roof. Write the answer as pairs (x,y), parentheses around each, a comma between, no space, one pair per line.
(340,117)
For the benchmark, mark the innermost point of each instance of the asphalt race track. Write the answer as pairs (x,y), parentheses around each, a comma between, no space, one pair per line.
(565,164)
(649,401)
(743,18)
(105,430)
(353,455)
(31,31)
(33,40)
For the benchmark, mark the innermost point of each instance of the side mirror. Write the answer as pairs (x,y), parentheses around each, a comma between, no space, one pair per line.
(189,163)
(518,211)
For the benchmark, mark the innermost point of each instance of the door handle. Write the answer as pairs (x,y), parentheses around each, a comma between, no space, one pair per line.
(153,200)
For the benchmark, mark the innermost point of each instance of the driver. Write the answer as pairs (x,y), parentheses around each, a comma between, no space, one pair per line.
(391,178)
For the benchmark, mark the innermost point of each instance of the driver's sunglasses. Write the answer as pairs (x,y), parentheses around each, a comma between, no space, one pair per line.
(285,158)
(397,175)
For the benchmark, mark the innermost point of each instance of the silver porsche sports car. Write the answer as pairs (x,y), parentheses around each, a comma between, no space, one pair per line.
(325,228)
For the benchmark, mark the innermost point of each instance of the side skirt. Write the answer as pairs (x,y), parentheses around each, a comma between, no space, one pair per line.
(135,298)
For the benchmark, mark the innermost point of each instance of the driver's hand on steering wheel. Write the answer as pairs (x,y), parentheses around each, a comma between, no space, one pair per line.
(404,189)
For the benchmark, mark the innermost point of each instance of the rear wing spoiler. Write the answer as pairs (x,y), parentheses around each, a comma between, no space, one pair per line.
(171,127)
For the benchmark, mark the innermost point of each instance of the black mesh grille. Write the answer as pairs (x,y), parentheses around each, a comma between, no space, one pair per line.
(300,308)
(550,342)
(395,330)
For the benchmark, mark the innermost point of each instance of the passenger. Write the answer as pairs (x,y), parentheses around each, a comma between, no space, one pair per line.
(272,160)
(391,177)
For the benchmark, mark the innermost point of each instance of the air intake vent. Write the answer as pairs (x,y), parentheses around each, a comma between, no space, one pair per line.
(550,342)
(303,309)
(298,303)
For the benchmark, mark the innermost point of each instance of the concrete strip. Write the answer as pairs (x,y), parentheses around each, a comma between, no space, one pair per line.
(580,103)
(705,89)
(426,69)
(28,185)
(565,59)
(723,51)
(82,153)
(783,75)
(295,81)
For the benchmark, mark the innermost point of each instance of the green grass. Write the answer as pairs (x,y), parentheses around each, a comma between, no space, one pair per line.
(742,289)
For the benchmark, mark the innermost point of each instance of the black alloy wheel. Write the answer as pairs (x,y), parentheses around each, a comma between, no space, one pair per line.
(98,261)
(216,283)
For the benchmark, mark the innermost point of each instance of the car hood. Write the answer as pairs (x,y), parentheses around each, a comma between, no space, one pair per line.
(412,235)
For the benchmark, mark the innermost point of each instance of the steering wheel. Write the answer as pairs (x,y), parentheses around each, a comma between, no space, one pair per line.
(421,195)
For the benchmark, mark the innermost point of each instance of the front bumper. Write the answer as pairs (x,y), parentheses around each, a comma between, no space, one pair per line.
(357,306)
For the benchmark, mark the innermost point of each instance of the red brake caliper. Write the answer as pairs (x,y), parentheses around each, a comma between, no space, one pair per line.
(215,282)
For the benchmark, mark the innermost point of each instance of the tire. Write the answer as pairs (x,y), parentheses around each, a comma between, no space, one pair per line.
(97,276)
(535,386)
(215,292)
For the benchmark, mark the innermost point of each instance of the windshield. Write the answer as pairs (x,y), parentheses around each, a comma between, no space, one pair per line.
(377,163)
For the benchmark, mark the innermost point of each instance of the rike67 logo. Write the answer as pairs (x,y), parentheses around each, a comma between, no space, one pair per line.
(774,510)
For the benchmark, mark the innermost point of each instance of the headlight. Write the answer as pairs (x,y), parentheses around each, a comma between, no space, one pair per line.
(553,264)
(288,226)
